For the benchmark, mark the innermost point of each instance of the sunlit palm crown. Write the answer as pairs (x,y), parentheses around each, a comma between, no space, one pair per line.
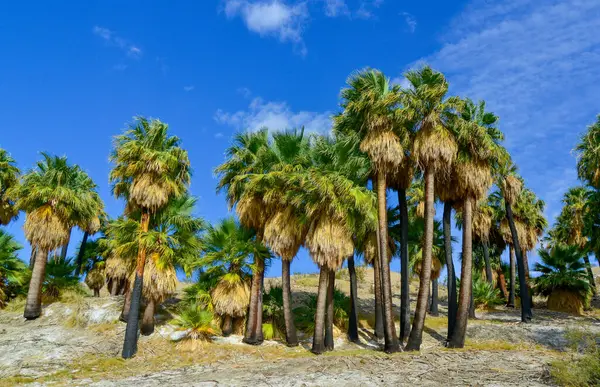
(369,105)
(149,165)
(425,104)
(588,151)
(570,224)
(9,177)
(561,268)
(55,197)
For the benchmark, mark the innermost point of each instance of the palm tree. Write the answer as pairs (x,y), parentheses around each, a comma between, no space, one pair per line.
(9,177)
(227,248)
(13,271)
(563,278)
(370,104)
(588,155)
(249,154)
(54,195)
(95,278)
(511,185)
(479,151)
(434,151)
(149,168)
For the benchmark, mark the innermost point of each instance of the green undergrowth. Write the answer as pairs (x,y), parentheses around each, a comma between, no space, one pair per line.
(582,367)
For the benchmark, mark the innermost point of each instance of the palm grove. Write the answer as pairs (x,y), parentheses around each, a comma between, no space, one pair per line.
(328,194)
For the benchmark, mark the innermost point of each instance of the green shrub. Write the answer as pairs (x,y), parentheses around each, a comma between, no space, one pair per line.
(59,278)
(305,314)
(583,370)
(485,295)
(273,310)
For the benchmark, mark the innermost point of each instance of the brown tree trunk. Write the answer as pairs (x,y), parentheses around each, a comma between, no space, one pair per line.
(512,279)
(502,282)
(378,298)
(526,314)
(404,268)
(227,327)
(33,306)
(114,287)
(318,346)
(290,329)
(148,318)
(416,334)
(253,333)
(452,297)
(131,331)
(96,292)
(65,247)
(458,336)
(391,339)
(81,253)
(32,258)
(488,265)
(590,274)
(353,317)
(329,311)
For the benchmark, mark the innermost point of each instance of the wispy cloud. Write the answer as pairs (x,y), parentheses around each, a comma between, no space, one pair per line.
(218,135)
(189,88)
(335,8)
(367,8)
(272,18)
(244,92)
(112,39)
(536,64)
(410,20)
(276,116)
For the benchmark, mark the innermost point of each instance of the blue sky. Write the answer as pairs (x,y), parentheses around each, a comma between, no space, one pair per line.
(74,73)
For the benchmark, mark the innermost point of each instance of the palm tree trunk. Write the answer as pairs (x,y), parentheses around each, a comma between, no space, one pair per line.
(452,296)
(148,319)
(378,298)
(65,247)
(353,317)
(290,329)
(458,336)
(391,339)
(81,253)
(488,265)
(114,287)
(502,282)
(32,258)
(526,314)
(318,346)
(512,279)
(433,308)
(252,326)
(96,292)
(329,311)
(416,334)
(227,327)
(404,269)
(33,306)
(472,304)
(123,286)
(590,274)
(131,331)
(127,304)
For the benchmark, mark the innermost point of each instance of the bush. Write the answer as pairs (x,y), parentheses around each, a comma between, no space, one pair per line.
(485,295)
(583,370)
(273,312)
(59,278)
(305,314)
(199,321)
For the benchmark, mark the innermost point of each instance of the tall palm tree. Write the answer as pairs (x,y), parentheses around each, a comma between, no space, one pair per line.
(370,104)
(434,151)
(150,167)
(9,177)
(54,195)
(588,155)
(249,154)
(511,185)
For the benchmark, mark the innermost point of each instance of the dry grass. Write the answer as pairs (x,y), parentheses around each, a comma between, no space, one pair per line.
(565,301)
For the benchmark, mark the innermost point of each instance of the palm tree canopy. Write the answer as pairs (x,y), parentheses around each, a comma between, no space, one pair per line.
(561,268)
(149,165)
(588,152)
(9,177)
(13,271)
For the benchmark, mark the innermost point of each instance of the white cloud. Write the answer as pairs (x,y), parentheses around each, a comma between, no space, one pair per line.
(189,88)
(244,92)
(112,39)
(536,64)
(410,20)
(272,18)
(367,7)
(276,116)
(334,8)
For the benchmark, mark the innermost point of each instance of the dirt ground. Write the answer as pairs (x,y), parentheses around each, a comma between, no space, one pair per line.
(80,344)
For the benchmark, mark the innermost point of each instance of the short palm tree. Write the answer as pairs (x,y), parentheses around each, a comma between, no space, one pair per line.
(95,278)
(9,177)
(150,168)
(227,250)
(199,325)
(13,271)
(434,151)
(563,278)
(54,195)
